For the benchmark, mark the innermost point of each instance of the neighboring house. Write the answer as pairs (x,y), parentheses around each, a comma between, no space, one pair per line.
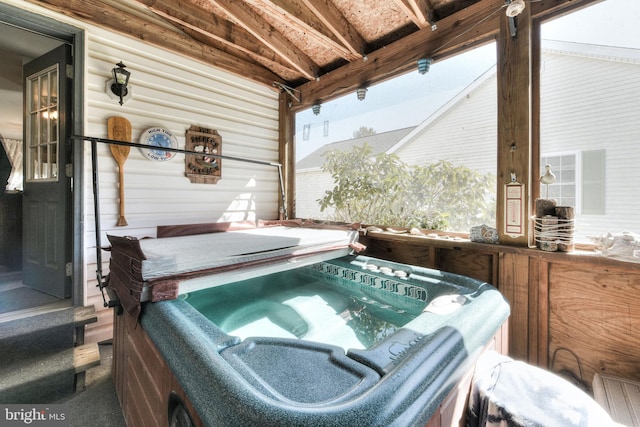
(590,133)
(587,128)
(312,182)
(463,131)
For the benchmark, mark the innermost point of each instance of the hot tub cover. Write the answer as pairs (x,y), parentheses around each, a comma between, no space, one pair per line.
(176,255)
(152,269)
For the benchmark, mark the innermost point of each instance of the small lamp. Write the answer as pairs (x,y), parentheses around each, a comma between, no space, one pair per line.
(424,64)
(118,85)
(361,93)
(316,108)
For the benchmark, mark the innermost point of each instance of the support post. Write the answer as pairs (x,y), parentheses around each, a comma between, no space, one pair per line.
(514,122)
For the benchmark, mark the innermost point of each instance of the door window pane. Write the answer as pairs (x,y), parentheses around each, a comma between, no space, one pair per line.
(42,126)
(44,91)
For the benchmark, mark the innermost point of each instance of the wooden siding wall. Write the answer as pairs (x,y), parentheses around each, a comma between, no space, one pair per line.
(575,314)
(174,93)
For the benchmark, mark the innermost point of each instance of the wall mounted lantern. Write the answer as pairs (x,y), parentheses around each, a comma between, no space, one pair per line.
(316,108)
(424,64)
(118,85)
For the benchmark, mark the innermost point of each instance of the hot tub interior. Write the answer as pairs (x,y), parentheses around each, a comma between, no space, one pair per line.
(325,302)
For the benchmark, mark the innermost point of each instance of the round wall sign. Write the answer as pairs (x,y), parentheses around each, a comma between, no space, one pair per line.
(158,137)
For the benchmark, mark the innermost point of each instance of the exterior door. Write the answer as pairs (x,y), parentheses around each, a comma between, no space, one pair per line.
(47,221)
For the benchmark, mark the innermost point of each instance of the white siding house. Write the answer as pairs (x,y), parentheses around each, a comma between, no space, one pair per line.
(172,92)
(590,105)
(463,131)
(312,182)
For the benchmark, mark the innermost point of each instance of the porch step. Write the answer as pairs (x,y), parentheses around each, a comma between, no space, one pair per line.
(41,379)
(52,373)
(84,315)
(41,360)
(86,356)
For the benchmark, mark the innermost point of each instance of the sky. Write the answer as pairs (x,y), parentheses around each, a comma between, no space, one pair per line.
(408,100)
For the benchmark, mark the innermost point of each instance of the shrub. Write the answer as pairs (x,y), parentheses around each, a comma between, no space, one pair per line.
(381,189)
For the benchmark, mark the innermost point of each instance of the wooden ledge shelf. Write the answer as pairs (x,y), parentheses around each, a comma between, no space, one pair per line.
(86,356)
(84,315)
(455,242)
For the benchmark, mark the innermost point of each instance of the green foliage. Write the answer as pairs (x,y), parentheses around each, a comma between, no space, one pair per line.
(380,189)
(363,131)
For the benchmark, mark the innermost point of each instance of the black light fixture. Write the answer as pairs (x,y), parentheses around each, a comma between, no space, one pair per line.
(120,81)
(316,108)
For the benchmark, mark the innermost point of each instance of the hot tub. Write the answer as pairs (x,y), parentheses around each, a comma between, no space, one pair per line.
(353,341)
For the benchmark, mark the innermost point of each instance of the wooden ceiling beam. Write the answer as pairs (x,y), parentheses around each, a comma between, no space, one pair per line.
(417,10)
(423,10)
(475,24)
(298,15)
(106,16)
(220,35)
(554,8)
(232,35)
(247,18)
(335,21)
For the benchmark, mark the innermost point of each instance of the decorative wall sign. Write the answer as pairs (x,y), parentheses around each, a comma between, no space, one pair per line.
(514,209)
(203,169)
(158,137)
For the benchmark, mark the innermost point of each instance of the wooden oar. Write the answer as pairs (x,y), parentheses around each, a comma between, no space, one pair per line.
(119,129)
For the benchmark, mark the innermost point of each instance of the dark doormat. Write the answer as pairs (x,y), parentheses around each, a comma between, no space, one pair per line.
(22,298)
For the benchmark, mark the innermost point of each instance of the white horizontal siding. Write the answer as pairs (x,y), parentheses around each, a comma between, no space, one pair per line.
(310,187)
(175,93)
(463,135)
(588,104)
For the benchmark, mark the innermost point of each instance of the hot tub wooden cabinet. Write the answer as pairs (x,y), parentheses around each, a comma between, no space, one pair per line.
(417,376)
(575,314)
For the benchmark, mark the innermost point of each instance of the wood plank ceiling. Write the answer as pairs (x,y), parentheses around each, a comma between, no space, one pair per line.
(320,48)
